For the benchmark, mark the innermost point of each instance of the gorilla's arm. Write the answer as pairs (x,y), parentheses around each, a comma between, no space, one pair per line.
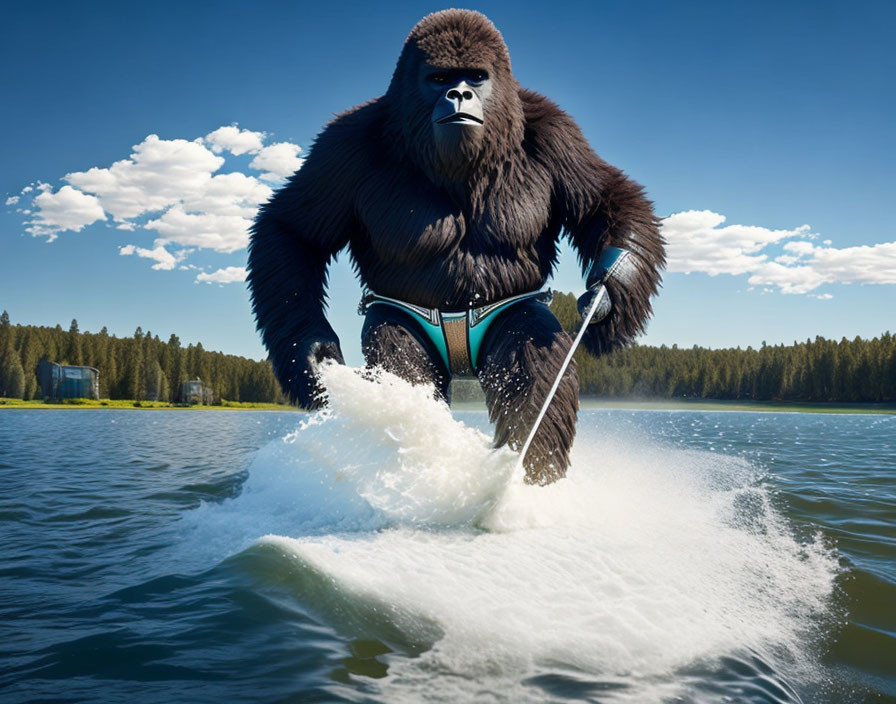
(293,239)
(600,207)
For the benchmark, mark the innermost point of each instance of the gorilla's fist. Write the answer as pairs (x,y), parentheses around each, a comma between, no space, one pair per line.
(304,380)
(604,305)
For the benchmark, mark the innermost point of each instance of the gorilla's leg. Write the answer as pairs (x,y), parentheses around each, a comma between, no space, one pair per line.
(518,362)
(393,341)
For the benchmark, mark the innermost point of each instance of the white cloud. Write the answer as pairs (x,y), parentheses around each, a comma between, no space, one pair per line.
(12,200)
(170,187)
(815,266)
(222,233)
(158,174)
(235,140)
(788,279)
(278,161)
(67,209)
(697,242)
(229,275)
(164,260)
(229,194)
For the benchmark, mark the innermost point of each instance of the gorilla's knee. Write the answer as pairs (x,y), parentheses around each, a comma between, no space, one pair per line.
(392,344)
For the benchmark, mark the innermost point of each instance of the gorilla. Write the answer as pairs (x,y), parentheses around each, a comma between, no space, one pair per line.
(451,192)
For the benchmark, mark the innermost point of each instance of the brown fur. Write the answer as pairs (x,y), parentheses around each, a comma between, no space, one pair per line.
(450,230)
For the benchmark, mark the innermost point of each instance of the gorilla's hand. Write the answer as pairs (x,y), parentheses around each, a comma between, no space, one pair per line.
(304,384)
(604,305)
(322,350)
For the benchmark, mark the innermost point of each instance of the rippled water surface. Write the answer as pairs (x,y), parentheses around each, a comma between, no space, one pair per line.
(383,552)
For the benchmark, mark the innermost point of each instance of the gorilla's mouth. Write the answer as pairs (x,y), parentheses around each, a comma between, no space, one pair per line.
(460,118)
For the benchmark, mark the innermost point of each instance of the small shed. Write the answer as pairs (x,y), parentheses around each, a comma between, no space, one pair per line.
(194,391)
(58,381)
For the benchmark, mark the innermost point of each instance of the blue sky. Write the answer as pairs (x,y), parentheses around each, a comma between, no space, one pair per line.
(746,122)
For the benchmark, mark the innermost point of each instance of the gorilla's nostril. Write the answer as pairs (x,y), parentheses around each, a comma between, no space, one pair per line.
(454,94)
(468,95)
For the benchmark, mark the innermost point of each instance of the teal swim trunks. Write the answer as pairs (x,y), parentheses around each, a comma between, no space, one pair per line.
(456,335)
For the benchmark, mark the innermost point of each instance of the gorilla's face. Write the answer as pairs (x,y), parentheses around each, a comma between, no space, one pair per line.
(459,97)
(459,100)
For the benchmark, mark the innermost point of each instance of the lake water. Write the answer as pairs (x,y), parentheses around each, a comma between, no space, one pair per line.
(382,552)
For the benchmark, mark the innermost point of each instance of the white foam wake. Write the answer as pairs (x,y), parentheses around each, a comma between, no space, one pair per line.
(643,560)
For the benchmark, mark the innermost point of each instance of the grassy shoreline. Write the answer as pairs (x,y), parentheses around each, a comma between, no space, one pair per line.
(592,402)
(586,403)
(90,404)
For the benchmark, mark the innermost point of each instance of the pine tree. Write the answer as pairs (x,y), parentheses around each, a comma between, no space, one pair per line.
(29,353)
(133,378)
(73,350)
(12,376)
(32,388)
(16,380)
(156,381)
(109,375)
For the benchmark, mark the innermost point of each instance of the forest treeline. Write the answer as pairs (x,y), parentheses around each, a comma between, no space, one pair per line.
(141,367)
(815,370)
(145,367)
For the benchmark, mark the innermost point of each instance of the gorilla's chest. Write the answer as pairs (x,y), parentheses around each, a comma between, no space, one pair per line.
(411,221)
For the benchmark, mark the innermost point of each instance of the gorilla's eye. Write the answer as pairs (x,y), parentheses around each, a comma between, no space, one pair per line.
(477,76)
(438,78)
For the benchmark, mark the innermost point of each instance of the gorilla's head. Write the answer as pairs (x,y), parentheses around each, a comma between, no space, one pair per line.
(453,100)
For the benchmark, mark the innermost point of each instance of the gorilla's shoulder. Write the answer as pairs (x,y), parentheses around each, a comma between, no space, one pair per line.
(348,145)
(362,124)
(360,116)
(538,109)
(547,126)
